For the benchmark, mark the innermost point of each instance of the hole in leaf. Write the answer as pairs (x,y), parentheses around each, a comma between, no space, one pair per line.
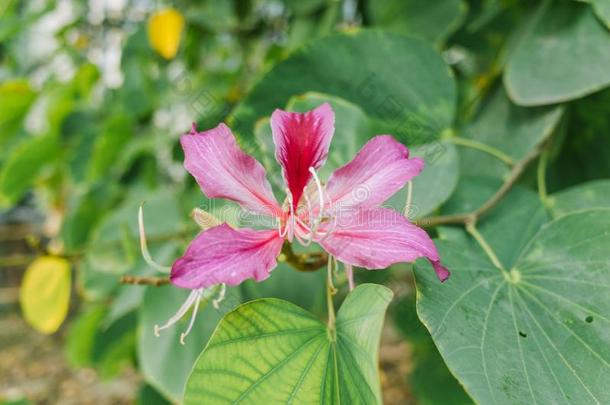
(589,319)
(522,334)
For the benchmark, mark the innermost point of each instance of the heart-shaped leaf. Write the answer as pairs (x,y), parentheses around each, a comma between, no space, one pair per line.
(536,332)
(271,351)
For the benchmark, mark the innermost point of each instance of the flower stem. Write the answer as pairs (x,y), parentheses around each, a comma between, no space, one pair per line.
(471,228)
(495,152)
(542,163)
(330,291)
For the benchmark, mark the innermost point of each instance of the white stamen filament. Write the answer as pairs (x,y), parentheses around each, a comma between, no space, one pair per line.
(407,209)
(144,246)
(194,295)
(221,296)
(320,194)
(183,335)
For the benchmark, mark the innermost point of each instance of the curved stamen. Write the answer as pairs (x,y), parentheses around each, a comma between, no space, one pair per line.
(194,295)
(221,296)
(320,194)
(144,246)
(183,335)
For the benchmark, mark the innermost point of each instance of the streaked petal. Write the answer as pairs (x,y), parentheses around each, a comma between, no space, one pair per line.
(223,170)
(302,141)
(376,238)
(226,255)
(379,170)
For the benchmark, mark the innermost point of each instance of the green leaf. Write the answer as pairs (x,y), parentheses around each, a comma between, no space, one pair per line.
(429,371)
(435,184)
(432,21)
(80,339)
(562,57)
(44,294)
(594,194)
(23,166)
(108,146)
(272,351)
(511,129)
(602,10)
(16,97)
(115,246)
(305,289)
(166,363)
(400,81)
(535,333)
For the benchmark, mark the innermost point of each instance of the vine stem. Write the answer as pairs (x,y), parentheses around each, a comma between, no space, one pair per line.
(495,152)
(472,230)
(472,217)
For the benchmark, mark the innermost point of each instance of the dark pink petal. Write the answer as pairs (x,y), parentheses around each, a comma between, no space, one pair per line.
(376,238)
(301,141)
(226,255)
(379,170)
(223,170)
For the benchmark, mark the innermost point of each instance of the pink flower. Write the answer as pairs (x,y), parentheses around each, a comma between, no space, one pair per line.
(345,216)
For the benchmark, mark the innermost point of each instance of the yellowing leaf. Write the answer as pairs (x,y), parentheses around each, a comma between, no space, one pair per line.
(45,293)
(164,30)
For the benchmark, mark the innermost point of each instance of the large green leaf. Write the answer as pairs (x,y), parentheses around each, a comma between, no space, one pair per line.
(594,194)
(166,363)
(400,81)
(563,56)
(433,21)
(513,130)
(272,351)
(536,332)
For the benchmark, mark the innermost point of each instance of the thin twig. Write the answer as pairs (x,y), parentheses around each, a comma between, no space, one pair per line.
(141,280)
(472,217)
(490,150)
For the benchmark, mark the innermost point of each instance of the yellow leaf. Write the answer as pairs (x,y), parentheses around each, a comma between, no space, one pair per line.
(164,30)
(45,293)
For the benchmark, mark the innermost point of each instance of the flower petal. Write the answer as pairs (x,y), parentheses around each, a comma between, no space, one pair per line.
(376,238)
(226,255)
(379,170)
(225,171)
(301,141)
